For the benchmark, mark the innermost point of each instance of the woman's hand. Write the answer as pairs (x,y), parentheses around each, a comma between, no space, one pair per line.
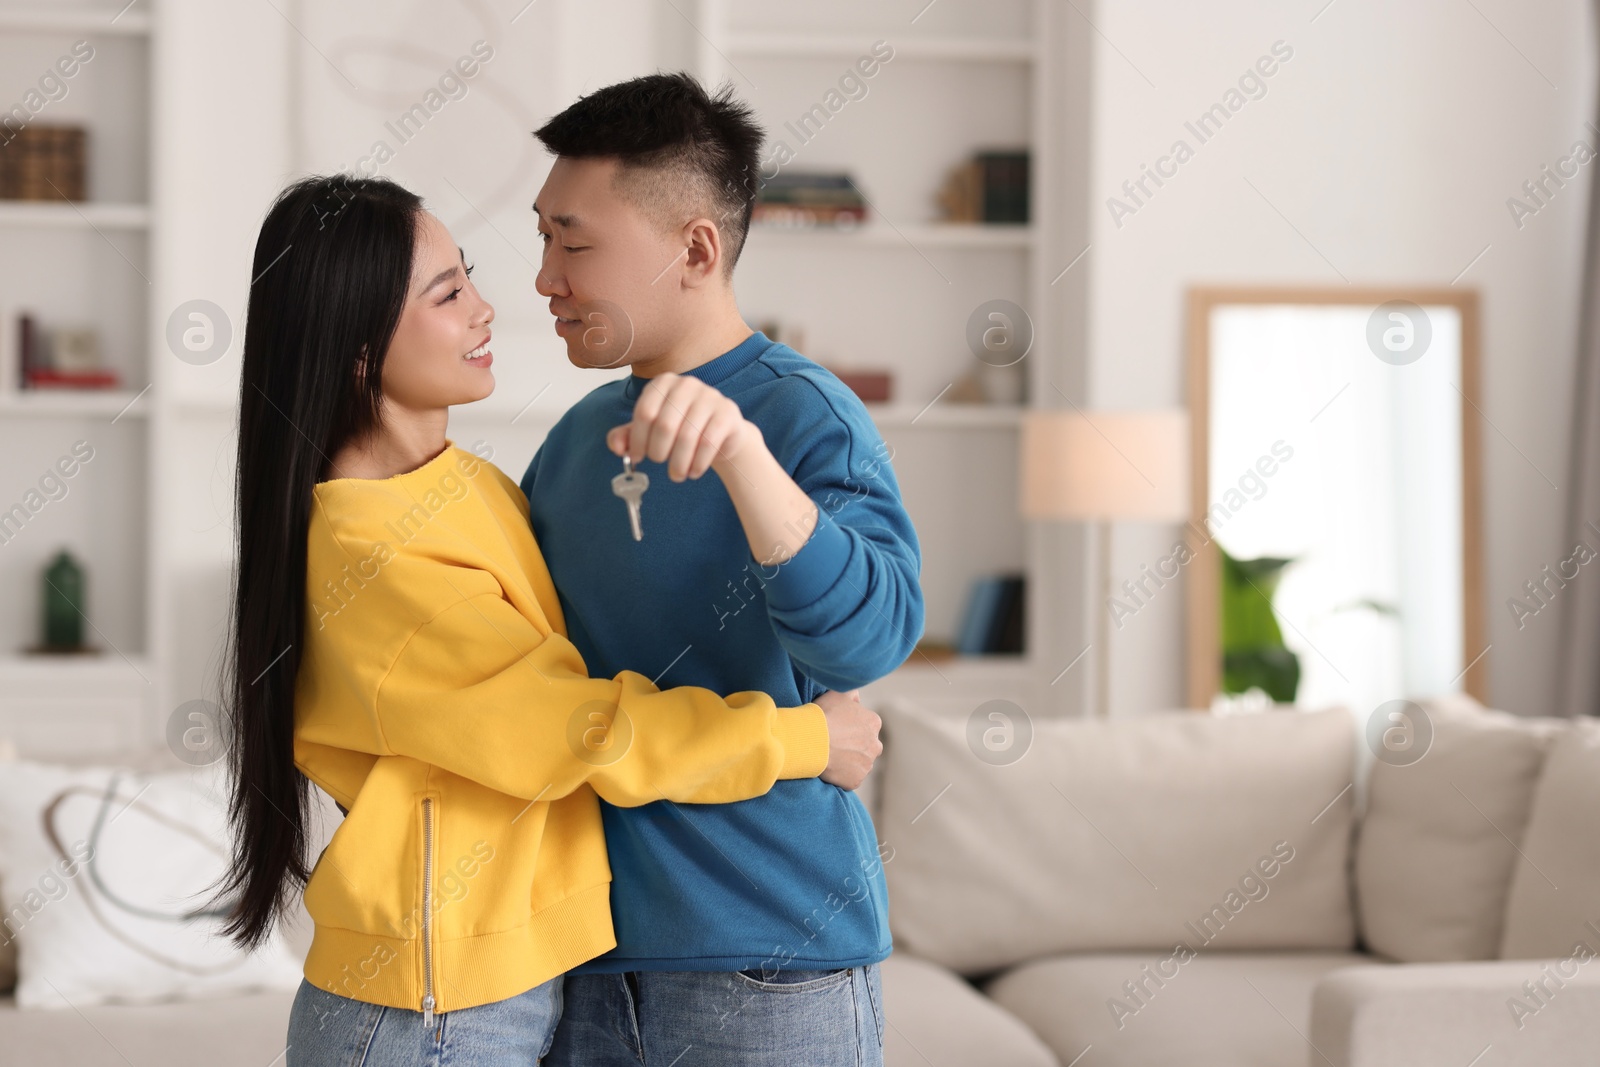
(853,744)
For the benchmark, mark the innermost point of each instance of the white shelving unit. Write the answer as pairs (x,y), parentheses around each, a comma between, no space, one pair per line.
(912,235)
(82,263)
(65,403)
(963,78)
(945,416)
(180,172)
(74,216)
(98,21)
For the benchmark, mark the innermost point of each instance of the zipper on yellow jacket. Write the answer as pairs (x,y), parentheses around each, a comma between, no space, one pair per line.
(427,912)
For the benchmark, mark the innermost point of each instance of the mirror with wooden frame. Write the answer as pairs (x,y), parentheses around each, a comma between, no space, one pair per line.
(1336,539)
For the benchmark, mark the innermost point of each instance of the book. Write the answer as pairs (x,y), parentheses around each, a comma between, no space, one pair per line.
(27,348)
(1008,631)
(46,377)
(802,187)
(43,163)
(993,623)
(800,198)
(991,187)
(978,623)
(1005,186)
(802,215)
(870,386)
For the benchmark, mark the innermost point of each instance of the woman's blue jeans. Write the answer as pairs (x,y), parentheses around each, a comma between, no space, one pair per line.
(328,1030)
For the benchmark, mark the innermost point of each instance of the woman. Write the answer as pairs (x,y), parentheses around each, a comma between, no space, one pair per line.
(396,639)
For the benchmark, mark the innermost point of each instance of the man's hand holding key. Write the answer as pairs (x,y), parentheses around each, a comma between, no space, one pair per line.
(681,421)
(690,426)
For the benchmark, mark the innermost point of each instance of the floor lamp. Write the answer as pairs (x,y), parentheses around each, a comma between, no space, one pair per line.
(1104,467)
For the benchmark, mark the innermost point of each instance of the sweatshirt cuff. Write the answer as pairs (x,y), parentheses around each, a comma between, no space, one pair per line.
(803,731)
(803,578)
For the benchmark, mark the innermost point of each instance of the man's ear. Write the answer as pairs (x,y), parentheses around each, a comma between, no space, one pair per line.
(704,243)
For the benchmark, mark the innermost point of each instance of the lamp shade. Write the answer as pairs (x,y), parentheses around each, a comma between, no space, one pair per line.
(1105,465)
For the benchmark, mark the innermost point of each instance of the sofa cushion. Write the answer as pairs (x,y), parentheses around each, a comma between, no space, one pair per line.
(247,1030)
(1214,1009)
(936,1018)
(1119,835)
(1438,840)
(1504,1013)
(1554,902)
(96,920)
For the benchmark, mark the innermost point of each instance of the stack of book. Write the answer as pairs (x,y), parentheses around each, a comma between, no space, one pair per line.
(809,199)
(66,358)
(993,624)
(990,187)
(43,163)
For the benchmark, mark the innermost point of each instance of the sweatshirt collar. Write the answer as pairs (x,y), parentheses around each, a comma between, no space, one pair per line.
(714,371)
(428,469)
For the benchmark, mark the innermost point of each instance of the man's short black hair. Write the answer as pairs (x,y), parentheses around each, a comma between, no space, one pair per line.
(682,152)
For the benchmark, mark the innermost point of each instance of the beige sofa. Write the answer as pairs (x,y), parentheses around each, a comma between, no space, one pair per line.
(1241,891)
(1038,902)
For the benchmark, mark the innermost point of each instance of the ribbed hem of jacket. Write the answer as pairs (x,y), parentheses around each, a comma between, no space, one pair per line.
(468,971)
(803,732)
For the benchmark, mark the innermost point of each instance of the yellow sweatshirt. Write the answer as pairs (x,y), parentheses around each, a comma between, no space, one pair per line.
(440,703)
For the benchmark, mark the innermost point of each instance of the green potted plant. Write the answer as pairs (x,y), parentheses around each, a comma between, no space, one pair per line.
(1253,653)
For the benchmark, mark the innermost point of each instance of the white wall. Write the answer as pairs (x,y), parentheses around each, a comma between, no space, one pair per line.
(222,153)
(1390,141)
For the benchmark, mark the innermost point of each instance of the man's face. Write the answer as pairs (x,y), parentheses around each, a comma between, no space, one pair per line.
(610,271)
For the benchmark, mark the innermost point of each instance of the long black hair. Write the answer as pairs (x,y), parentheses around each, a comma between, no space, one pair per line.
(331,271)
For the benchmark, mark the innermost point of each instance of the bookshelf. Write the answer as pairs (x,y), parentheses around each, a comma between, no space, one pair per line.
(84,263)
(109,404)
(895,291)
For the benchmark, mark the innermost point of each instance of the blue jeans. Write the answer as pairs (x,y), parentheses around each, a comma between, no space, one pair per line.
(329,1030)
(790,1018)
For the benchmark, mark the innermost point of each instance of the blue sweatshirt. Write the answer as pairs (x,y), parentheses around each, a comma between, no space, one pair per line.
(792,879)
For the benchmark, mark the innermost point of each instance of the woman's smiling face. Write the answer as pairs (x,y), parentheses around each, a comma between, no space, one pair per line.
(445,321)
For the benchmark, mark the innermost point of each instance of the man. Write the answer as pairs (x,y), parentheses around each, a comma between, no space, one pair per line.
(747,933)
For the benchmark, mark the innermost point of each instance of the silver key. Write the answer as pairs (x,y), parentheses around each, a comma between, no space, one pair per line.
(630,486)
